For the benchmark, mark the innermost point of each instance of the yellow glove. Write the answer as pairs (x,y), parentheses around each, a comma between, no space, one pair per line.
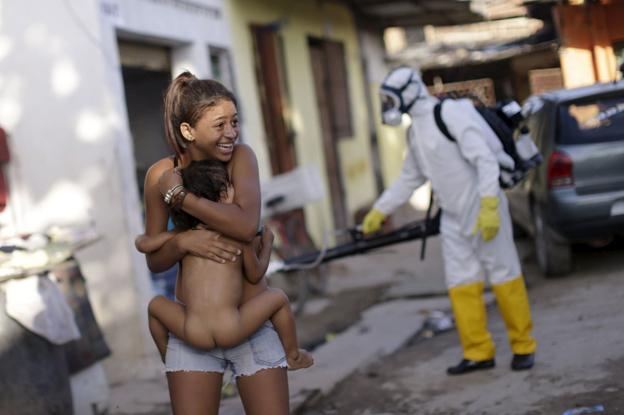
(488,220)
(372,221)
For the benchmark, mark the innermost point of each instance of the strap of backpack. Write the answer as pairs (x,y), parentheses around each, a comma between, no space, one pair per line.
(423,244)
(437,114)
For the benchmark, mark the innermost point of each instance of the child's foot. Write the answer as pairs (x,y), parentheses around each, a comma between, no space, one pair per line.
(300,360)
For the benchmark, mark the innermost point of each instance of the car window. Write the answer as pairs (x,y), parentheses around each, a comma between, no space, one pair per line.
(595,121)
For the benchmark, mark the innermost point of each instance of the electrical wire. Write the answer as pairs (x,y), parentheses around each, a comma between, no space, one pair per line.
(90,36)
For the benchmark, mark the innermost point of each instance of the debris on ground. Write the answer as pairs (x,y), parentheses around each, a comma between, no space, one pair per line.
(584,410)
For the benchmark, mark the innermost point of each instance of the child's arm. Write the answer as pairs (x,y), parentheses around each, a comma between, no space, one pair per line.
(238,220)
(148,244)
(256,257)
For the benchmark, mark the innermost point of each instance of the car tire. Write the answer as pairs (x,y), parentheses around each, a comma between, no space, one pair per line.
(518,231)
(554,256)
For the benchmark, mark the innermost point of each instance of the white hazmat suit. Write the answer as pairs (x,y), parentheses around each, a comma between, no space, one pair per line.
(462,174)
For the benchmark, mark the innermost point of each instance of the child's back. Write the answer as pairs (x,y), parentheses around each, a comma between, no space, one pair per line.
(212,291)
(208,287)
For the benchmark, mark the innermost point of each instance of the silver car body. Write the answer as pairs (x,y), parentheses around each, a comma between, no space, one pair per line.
(583,127)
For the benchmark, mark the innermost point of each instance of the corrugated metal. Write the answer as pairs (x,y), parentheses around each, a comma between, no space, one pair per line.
(406,13)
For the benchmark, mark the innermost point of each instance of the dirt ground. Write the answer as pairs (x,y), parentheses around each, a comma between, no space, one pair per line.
(580,359)
(578,325)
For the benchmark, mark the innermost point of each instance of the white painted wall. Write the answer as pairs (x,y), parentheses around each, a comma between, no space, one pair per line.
(62,104)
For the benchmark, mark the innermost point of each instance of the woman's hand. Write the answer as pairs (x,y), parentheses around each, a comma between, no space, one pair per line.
(168,180)
(210,245)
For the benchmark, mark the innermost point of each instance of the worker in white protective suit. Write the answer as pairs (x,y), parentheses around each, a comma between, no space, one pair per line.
(475,228)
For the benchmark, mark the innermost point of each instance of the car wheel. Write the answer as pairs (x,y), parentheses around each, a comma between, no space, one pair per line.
(518,231)
(553,255)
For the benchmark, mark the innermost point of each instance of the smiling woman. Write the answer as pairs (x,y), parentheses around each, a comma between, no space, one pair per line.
(219,318)
(186,103)
(218,128)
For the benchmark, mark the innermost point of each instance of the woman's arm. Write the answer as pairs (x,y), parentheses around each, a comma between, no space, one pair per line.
(204,243)
(256,256)
(148,244)
(239,219)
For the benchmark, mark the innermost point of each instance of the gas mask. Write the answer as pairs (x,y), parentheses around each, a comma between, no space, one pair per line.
(401,88)
(390,113)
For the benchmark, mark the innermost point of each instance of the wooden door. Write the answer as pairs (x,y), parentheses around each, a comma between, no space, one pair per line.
(330,119)
(271,83)
(272,88)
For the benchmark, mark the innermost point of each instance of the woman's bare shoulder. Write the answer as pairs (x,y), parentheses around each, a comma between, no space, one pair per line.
(243,150)
(243,154)
(160,166)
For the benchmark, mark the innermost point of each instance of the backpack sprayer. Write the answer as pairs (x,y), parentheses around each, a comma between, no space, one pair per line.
(359,244)
(301,186)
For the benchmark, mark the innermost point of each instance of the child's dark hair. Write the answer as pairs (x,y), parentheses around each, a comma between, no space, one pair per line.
(204,178)
(186,99)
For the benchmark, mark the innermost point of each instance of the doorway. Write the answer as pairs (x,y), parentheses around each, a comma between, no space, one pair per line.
(146,72)
(332,97)
(270,76)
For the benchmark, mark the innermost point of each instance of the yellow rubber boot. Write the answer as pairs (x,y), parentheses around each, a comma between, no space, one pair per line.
(513,304)
(471,321)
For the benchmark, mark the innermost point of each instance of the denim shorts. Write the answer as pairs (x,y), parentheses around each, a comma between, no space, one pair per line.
(262,350)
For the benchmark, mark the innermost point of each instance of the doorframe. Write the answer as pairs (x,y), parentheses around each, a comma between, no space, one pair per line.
(333,166)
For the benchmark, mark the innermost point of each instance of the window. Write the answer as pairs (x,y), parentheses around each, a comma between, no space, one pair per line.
(595,121)
(618,50)
(220,66)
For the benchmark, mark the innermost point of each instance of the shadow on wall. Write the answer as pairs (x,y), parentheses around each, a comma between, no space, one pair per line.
(61,102)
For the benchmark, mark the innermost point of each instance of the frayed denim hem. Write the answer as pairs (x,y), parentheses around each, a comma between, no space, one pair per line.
(281,365)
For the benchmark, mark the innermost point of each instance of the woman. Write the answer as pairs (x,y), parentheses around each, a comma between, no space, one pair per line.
(212,314)
(259,364)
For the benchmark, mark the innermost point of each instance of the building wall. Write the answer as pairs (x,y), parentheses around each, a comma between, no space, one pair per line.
(190,28)
(62,104)
(371,42)
(298,21)
(587,33)
(521,68)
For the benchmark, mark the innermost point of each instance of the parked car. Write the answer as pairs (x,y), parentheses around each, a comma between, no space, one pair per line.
(577,193)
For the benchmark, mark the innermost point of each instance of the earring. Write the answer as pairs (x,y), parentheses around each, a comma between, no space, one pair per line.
(189,137)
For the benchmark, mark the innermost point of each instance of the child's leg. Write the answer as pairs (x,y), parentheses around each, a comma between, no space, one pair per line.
(160,335)
(164,316)
(284,322)
(192,325)
(148,244)
(272,304)
(231,327)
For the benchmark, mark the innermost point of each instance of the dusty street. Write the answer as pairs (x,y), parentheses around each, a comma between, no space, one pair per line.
(580,358)
(578,326)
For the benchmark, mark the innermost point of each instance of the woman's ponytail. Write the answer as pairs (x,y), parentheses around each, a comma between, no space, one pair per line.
(173,110)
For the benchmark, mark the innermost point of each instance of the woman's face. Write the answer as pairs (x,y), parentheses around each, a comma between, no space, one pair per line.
(215,133)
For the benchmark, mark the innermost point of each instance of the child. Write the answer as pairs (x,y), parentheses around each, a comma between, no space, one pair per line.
(212,316)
